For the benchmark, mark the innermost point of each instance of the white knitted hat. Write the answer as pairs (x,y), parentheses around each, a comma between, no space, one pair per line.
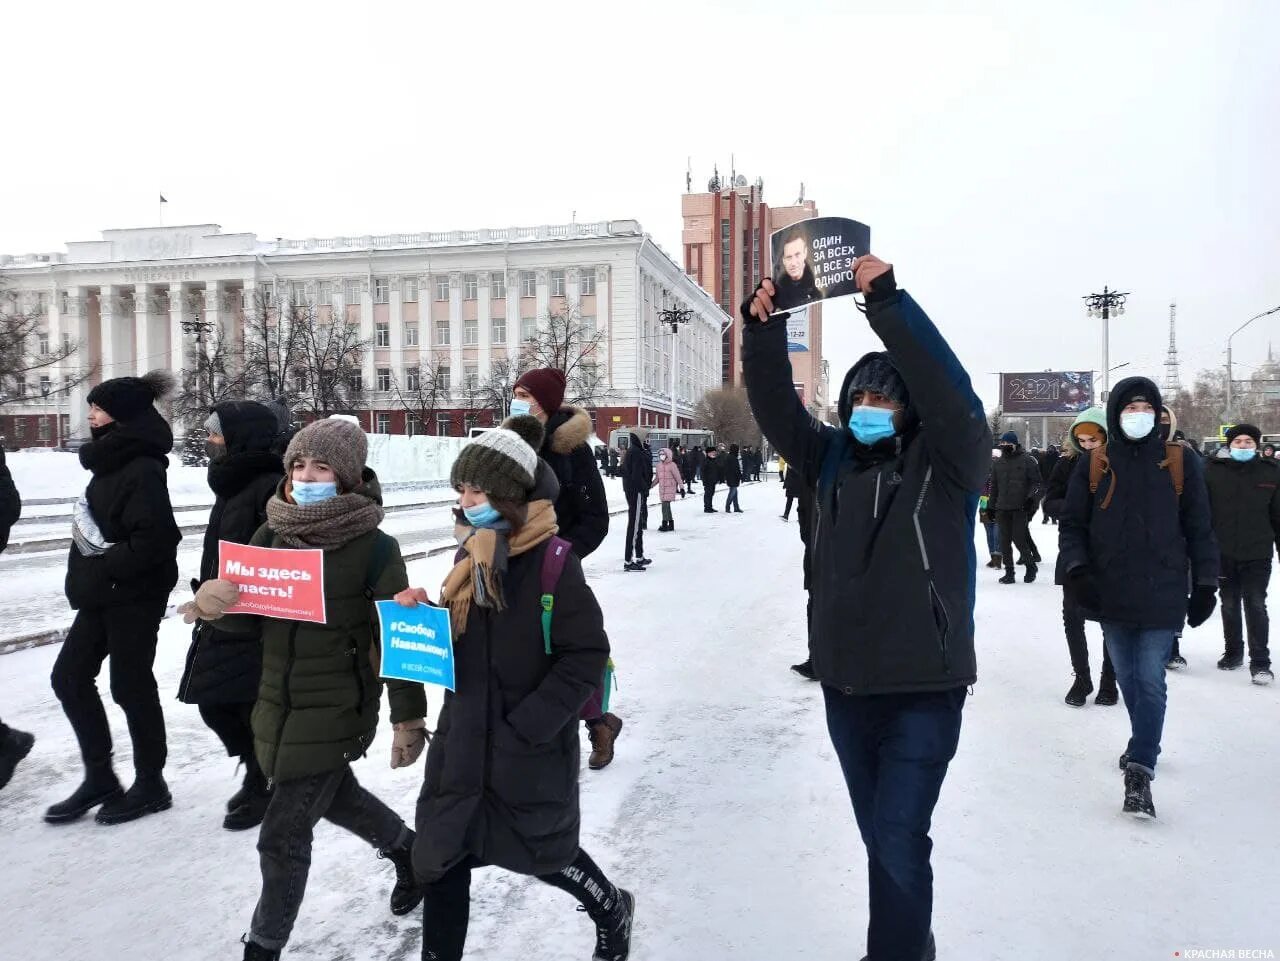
(502,462)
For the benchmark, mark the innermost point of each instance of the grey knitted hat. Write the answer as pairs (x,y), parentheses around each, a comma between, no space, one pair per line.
(880,375)
(502,462)
(213,424)
(338,442)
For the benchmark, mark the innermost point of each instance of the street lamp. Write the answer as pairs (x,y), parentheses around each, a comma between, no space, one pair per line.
(1101,305)
(46,388)
(199,327)
(675,316)
(1230,406)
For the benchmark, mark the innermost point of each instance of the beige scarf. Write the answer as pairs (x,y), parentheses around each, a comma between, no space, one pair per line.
(478,574)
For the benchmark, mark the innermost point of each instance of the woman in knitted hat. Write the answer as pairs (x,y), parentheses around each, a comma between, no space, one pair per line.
(1089,432)
(318,703)
(121,567)
(501,782)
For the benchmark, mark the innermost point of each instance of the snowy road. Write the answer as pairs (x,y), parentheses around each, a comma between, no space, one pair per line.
(724,810)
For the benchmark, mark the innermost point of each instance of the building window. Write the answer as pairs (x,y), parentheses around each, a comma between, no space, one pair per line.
(384,423)
(46,385)
(268,293)
(443,379)
(382,335)
(588,326)
(324,293)
(351,293)
(528,328)
(587,283)
(470,332)
(411,335)
(299,381)
(442,332)
(443,424)
(412,425)
(384,378)
(588,374)
(471,376)
(42,425)
(497,286)
(755,256)
(381,290)
(356,380)
(20,427)
(469,421)
(528,283)
(298,293)
(557,283)
(470,286)
(726,290)
(66,342)
(411,378)
(442,288)
(499,329)
(43,341)
(409,290)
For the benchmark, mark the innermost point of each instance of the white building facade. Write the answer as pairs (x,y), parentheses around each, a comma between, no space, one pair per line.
(134,300)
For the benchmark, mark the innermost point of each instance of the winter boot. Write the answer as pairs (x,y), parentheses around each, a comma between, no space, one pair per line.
(147,795)
(13,748)
(250,813)
(1137,793)
(100,786)
(1081,688)
(1230,661)
(930,951)
(1261,676)
(407,893)
(1009,578)
(613,932)
(1107,693)
(996,562)
(1030,576)
(805,669)
(255,782)
(632,566)
(1124,761)
(603,732)
(256,952)
(1176,662)
(644,561)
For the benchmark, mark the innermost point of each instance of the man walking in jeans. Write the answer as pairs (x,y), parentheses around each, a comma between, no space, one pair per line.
(893,569)
(1135,522)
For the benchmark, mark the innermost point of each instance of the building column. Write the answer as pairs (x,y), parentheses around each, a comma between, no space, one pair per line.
(486,324)
(74,322)
(543,300)
(396,320)
(177,339)
(366,334)
(603,318)
(514,340)
(148,355)
(116,359)
(455,329)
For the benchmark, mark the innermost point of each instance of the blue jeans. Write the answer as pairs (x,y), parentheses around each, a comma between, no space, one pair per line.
(993,538)
(731,502)
(894,750)
(1139,656)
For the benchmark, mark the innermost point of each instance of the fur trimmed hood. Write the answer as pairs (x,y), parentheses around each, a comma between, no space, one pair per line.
(568,428)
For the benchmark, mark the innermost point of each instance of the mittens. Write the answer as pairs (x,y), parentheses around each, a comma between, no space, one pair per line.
(408,742)
(1203,600)
(211,601)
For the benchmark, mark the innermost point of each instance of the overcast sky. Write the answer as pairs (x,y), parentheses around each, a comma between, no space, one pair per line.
(1009,159)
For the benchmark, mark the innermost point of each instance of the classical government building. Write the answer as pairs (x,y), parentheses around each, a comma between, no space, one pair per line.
(452,302)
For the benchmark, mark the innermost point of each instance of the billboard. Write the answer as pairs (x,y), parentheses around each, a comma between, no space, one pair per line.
(798,330)
(1046,392)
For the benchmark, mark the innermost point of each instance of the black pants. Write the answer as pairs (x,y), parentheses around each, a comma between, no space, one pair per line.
(1077,643)
(667,520)
(1013,530)
(1246,581)
(708,492)
(635,530)
(786,511)
(446,909)
(128,635)
(231,723)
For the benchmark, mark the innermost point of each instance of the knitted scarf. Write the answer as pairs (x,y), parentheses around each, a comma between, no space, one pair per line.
(325,525)
(482,562)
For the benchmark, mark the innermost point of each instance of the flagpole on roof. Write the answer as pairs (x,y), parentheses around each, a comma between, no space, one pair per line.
(162,203)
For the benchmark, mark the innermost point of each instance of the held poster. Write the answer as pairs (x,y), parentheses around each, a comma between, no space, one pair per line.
(275,582)
(813,260)
(417,643)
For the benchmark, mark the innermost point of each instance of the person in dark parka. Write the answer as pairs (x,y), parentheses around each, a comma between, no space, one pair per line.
(637,481)
(121,566)
(1015,487)
(1126,551)
(14,744)
(712,473)
(1244,493)
(733,480)
(692,470)
(893,575)
(223,670)
(501,784)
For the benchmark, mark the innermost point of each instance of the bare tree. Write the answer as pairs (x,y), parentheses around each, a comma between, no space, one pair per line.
(424,392)
(566,342)
(326,368)
(496,391)
(273,345)
(26,350)
(214,372)
(726,412)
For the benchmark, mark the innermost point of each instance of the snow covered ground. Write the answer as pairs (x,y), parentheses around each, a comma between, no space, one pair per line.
(724,811)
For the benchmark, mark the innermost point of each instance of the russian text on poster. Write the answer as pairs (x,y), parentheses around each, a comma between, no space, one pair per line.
(417,643)
(275,582)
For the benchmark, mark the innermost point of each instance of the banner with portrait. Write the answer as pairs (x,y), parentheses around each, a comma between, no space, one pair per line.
(813,260)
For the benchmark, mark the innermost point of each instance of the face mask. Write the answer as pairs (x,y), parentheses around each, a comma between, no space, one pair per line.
(1243,454)
(214,452)
(313,492)
(1138,426)
(519,408)
(482,515)
(663,456)
(995,453)
(871,424)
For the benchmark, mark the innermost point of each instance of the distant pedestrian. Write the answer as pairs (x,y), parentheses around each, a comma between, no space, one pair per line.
(711,476)
(14,744)
(637,481)
(1015,487)
(732,480)
(669,482)
(613,461)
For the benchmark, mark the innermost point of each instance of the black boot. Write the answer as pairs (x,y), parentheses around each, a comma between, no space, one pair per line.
(1081,688)
(613,932)
(14,746)
(250,813)
(1009,578)
(1231,661)
(1107,693)
(256,952)
(1137,793)
(407,893)
(1030,575)
(100,785)
(147,795)
(805,669)
(255,782)
(930,951)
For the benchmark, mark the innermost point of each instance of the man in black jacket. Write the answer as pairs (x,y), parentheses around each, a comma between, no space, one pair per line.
(1015,489)
(1244,494)
(893,570)
(637,480)
(121,567)
(1126,550)
(712,474)
(14,745)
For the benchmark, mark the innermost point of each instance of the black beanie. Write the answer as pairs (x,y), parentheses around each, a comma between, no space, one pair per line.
(880,375)
(125,398)
(1246,430)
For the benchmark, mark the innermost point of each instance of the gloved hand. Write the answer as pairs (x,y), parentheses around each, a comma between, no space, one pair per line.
(1084,589)
(211,601)
(412,597)
(759,304)
(1203,600)
(408,742)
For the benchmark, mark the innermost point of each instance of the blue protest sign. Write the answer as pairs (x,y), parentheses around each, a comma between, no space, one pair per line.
(417,643)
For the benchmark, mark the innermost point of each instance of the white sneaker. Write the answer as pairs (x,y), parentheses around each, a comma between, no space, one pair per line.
(1262,676)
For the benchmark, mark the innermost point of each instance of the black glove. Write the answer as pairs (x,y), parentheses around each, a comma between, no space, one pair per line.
(745,310)
(883,287)
(1084,590)
(1203,600)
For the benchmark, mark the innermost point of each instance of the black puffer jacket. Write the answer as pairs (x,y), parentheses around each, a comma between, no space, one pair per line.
(502,770)
(1140,548)
(10,502)
(582,508)
(1015,480)
(225,668)
(713,470)
(733,468)
(893,563)
(637,466)
(129,498)
(1245,500)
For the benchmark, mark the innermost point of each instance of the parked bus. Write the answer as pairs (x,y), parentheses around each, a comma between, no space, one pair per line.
(659,438)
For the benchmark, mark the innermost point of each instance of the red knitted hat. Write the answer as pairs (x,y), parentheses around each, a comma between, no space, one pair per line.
(547,387)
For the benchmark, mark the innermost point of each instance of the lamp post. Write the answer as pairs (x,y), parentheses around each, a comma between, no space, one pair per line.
(1101,305)
(1230,411)
(675,316)
(199,327)
(45,389)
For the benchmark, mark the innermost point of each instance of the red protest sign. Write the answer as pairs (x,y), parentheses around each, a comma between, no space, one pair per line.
(274,582)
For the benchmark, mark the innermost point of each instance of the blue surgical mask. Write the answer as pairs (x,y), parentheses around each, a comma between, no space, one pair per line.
(482,515)
(520,408)
(1138,426)
(313,492)
(1243,454)
(871,424)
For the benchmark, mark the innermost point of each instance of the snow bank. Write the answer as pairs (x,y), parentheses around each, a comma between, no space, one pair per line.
(397,458)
